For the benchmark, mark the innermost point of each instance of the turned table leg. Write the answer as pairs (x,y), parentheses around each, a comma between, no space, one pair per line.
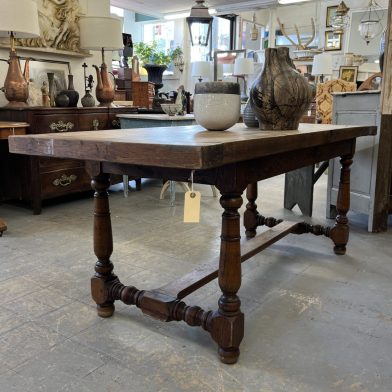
(340,232)
(227,323)
(250,214)
(103,247)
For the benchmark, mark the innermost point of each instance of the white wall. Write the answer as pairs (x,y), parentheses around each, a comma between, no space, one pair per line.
(90,7)
(299,14)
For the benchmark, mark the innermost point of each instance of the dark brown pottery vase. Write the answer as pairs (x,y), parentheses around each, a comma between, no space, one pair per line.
(280,95)
(71,93)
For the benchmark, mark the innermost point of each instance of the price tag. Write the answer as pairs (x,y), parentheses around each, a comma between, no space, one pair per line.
(192,207)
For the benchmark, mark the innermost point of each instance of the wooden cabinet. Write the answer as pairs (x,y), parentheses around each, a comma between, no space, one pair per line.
(371,173)
(143,94)
(34,179)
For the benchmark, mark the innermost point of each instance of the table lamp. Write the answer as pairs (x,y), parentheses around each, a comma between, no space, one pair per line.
(322,65)
(201,69)
(18,19)
(242,68)
(228,69)
(101,33)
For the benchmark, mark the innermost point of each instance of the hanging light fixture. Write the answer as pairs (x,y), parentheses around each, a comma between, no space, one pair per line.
(199,23)
(254,32)
(179,62)
(370,25)
(341,18)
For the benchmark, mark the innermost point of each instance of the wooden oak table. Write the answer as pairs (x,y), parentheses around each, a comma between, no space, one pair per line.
(230,160)
(8,128)
(150,121)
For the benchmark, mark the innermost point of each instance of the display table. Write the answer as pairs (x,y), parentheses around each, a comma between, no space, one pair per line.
(156,120)
(8,128)
(230,160)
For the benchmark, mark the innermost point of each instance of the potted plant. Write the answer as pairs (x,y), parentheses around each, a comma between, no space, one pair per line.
(155,60)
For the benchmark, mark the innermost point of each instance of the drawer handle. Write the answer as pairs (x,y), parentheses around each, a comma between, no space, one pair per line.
(95,124)
(116,123)
(65,180)
(61,126)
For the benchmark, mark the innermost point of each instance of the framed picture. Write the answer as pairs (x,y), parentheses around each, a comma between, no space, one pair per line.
(333,41)
(331,12)
(348,73)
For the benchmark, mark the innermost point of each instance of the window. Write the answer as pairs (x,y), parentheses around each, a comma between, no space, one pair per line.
(163,34)
(222,38)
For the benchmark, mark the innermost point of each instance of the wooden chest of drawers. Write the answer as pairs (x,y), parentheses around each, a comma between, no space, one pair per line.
(35,179)
(143,94)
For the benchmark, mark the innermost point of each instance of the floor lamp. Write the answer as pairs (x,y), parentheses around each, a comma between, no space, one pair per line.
(18,19)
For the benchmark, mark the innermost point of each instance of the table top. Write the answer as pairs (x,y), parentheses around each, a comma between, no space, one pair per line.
(156,117)
(188,147)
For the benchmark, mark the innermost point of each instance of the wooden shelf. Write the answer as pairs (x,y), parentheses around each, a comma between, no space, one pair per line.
(48,51)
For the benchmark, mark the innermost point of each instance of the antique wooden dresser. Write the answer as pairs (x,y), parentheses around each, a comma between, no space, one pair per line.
(34,179)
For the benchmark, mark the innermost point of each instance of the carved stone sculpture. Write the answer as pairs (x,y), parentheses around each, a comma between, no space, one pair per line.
(58,20)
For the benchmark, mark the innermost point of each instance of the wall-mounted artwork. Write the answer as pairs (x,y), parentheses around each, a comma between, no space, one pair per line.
(58,20)
(333,41)
(331,13)
(348,73)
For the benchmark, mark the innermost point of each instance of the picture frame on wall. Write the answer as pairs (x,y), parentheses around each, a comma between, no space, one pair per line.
(333,41)
(331,12)
(348,73)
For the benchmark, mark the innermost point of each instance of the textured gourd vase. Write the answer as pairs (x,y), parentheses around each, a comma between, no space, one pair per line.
(280,95)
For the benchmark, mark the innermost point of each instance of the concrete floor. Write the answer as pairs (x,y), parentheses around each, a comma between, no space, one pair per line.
(313,321)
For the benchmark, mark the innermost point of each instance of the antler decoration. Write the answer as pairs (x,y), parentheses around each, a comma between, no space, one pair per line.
(299,45)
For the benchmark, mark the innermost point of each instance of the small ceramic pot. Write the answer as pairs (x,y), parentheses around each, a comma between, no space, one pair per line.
(217,105)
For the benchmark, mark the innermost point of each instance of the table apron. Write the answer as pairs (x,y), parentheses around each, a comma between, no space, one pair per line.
(236,176)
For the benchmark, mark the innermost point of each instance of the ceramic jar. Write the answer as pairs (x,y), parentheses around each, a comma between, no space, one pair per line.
(249,118)
(217,105)
(280,95)
(72,94)
(62,100)
(88,100)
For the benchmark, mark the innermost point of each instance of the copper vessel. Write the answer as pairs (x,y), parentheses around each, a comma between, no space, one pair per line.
(105,88)
(16,85)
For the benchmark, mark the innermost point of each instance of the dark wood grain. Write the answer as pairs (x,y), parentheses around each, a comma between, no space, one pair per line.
(188,147)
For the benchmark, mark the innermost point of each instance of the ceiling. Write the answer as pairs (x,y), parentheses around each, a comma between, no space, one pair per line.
(161,7)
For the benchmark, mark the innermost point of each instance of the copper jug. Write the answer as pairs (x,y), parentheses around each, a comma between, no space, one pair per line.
(105,89)
(16,85)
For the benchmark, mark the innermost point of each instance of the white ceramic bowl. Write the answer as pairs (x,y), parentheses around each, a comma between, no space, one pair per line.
(171,108)
(217,105)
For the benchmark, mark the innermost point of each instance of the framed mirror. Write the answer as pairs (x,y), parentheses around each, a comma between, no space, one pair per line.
(226,59)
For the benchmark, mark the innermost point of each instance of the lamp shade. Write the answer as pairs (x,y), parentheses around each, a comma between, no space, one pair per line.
(243,66)
(201,68)
(98,33)
(19,17)
(228,69)
(322,64)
